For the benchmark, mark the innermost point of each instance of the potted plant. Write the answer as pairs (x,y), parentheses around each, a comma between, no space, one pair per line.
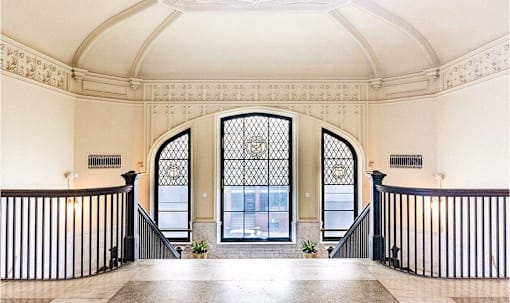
(309,249)
(199,250)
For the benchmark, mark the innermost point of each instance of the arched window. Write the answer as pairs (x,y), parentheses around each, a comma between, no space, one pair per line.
(172,192)
(256,172)
(339,186)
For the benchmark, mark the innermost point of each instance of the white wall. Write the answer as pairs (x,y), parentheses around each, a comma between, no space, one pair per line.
(404,128)
(37,135)
(107,128)
(473,134)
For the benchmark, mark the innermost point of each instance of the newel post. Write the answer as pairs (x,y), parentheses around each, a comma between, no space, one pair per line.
(131,238)
(376,239)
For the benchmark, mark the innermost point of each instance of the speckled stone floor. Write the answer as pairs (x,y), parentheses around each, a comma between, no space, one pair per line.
(256,280)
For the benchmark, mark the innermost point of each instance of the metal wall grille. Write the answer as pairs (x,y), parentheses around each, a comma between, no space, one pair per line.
(339,186)
(104,161)
(406,161)
(172,190)
(256,178)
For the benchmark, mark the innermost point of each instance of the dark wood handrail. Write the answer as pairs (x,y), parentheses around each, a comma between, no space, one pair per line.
(444,192)
(8,193)
(156,230)
(351,229)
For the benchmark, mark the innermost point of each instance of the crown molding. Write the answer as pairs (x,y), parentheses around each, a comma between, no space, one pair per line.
(484,63)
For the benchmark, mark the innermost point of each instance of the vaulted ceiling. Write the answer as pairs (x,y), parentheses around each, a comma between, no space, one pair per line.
(255,39)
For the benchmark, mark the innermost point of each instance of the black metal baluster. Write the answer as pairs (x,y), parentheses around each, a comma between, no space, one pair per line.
(21,242)
(401,243)
(483,237)
(65,235)
(476,237)
(454,236)
(423,232)
(36,200)
(82,235)
(431,240)
(123,224)
(74,235)
(490,237)
(439,232)
(29,208)
(497,235)
(469,235)
(90,235)
(98,199)
(415,199)
(14,238)
(447,238)
(104,229)
(394,200)
(407,217)
(111,228)
(51,237)
(505,224)
(117,223)
(7,237)
(58,239)
(461,237)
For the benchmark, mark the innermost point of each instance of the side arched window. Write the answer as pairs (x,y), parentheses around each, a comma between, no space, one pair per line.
(339,186)
(173,192)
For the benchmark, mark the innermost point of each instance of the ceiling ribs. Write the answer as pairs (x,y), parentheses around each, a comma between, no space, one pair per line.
(149,42)
(402,25)
(86,44)
(360,39)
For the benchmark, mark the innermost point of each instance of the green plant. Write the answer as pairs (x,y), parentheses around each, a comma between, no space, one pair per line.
(308,247)
(199,247)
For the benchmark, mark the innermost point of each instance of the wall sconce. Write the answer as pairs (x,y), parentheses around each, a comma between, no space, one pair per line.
(70,175)
(337,171)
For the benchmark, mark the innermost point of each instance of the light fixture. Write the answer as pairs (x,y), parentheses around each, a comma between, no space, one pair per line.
(337,171)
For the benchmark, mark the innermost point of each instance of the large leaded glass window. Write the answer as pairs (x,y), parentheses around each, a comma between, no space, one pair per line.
(256,178)
(173,187)
(339,186)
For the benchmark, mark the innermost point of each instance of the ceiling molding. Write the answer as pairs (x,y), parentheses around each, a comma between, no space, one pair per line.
(86,44)
(149,42)
(363,43)
(251,5)
(402,25)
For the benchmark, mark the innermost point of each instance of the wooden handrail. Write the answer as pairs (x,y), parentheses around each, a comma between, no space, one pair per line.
(443,192)
(9,193)
(351,230)
(158,232)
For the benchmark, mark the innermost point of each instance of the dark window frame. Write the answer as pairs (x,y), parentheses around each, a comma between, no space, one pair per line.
(222,177)
(156,184)
(355,178)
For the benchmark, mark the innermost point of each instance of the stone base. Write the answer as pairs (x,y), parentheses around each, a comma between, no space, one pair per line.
(270,250)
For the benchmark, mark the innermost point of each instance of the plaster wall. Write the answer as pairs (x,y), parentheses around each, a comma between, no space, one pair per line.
(37,126)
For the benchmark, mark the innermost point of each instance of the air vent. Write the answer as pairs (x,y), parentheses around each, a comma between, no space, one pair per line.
(406,161)
(105,161)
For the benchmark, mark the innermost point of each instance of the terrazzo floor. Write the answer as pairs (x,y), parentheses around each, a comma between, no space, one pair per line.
(256,280)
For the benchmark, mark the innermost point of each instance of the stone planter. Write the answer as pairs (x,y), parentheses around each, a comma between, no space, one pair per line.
(311,255)
(198,256)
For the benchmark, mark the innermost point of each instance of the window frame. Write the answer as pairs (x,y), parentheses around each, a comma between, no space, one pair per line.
(323,185)
(156,184)
(289,159)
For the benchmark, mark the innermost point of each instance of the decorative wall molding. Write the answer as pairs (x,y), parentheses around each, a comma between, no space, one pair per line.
(481,64)
(29,64)
(240,91)
(484,63)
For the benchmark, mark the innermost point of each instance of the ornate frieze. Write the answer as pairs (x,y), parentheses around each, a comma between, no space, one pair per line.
(252,91)
(26,64)
(478,66)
